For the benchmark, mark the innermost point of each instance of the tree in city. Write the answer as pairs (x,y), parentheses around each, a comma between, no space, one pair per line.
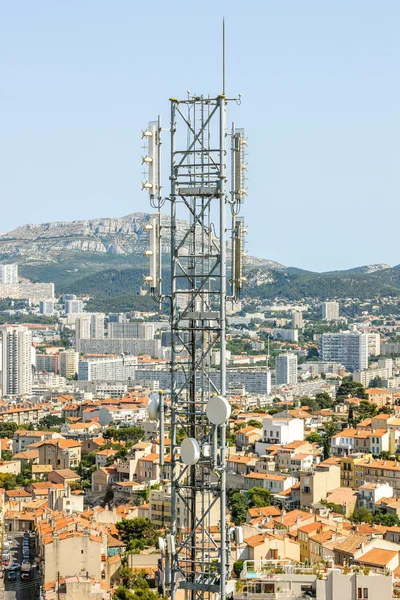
(7,430)
(314,438)
(330,431)
(350,389)
(50,421)
(376,382)
(133,434)
(258,497)
(238,506)
(138,533)
(254,423)
(362,515)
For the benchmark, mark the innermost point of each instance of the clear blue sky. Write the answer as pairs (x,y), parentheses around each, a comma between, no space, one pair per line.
(321,99)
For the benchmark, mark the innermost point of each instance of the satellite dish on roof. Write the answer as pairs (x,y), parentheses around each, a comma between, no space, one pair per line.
(190,451)
(218,410)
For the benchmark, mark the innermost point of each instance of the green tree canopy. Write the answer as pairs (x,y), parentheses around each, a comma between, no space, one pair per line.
(314,438)
(362,515)
(238,506)
(138,533)
(258,497)
(350,389)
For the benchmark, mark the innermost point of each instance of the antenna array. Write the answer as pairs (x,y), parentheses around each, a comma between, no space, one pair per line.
(196,554)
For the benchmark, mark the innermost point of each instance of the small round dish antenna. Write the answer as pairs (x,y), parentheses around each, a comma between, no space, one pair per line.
(218,410)
(190,451)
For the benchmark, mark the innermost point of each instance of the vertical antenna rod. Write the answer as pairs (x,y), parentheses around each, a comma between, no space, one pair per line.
(223,56)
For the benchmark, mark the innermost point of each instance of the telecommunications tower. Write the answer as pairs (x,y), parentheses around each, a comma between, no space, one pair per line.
(203,274)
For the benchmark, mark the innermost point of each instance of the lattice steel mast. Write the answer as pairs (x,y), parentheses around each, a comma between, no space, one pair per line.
(198,558)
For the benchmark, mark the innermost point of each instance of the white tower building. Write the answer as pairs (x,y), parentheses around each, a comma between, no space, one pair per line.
(16,360)
(286,369)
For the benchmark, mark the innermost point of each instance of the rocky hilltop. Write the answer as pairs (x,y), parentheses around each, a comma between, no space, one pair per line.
(124,236)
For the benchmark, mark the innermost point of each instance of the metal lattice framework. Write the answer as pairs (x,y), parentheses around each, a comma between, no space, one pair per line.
(198,553)
(198,322)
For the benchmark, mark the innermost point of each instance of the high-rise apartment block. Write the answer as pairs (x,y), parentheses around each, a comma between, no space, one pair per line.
(88,327)
(73,306)
(286,369)
(114,368)
(16,360)
(97,326)
(46,307)
(9,274)
(68,363)
(349,349)
(297,319)
(330,311)
(136,331)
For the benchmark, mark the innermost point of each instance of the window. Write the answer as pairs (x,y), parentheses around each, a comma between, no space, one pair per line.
(365,592)
(359,593)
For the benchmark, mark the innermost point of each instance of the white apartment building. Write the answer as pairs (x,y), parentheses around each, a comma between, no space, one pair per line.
(73,306)
(136,330)
(297,319)
(46,307)
(290,335)
(119,346)
(97,326)
(374,344)
(350,349)
(330,311)
(281,431)
(9,274)
(16,360)
(68,363)
(286,369)
(384,370)
(115,368)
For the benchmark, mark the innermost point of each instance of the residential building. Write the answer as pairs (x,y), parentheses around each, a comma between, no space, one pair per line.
(73,306)
(135,330)
(82,330)
(247,436)
(47,362)
(330,311)
(370,493)
(379,471)
(269,481)
(46,307)
(286,369)
(16,363)
(350,349)
(160,507)
(115,368)
(97,326)
(348,468)
(297,319)
(68,363)
(61,454)
(315,485)
(9,274)
(282,431)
